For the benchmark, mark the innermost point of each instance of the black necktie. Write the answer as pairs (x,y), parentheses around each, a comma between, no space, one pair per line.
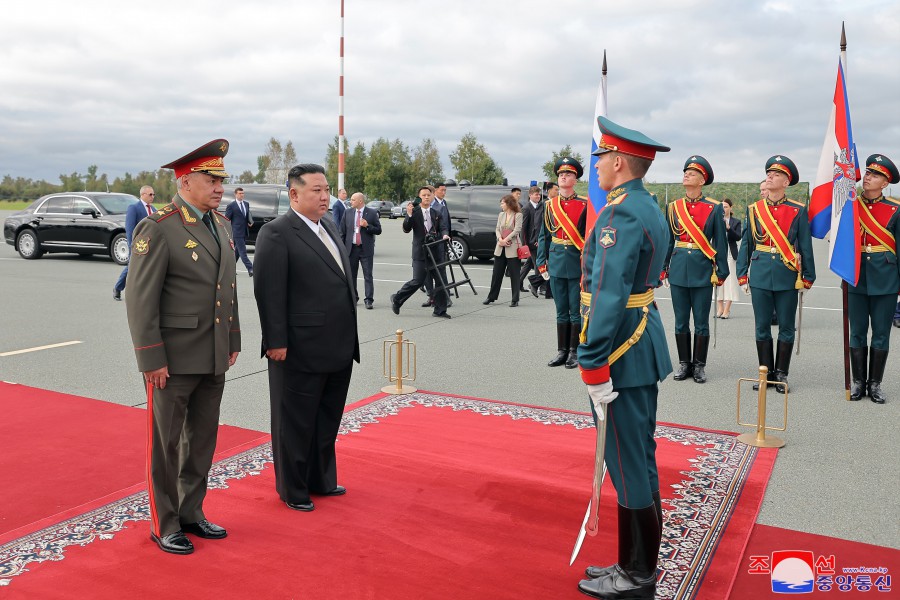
(209,225)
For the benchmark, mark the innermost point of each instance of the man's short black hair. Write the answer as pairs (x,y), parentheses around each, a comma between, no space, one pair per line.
(295,175)
(239,189)
(515,189)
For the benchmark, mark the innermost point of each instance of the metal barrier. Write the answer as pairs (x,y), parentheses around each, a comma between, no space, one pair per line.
(759,438)
(395,372)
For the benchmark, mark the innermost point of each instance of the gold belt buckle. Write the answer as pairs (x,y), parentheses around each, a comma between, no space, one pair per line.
(773,250)
(690,245)
(868,248)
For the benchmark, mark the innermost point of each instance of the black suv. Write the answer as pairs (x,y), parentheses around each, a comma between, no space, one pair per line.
(473,218)
(79,222)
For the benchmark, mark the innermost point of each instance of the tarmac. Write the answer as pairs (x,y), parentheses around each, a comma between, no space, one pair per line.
(836,476)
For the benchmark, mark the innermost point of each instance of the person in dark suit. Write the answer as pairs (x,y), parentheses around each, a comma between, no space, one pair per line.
(439,204)
(340,207)
(183,316)
(238,212)
(307,314)
(135,213)
(532,218)
(358,231)
(424,222)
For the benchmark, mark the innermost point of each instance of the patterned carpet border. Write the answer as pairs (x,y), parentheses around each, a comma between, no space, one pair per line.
(702,503)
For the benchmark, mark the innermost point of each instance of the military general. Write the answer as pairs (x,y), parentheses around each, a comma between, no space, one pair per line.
(775,263)
(559,257)
(183,317)
(873,297)
(623,353)
(697,260)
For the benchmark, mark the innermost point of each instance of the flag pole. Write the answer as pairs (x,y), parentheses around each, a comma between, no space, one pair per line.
(340,148)
(844,286)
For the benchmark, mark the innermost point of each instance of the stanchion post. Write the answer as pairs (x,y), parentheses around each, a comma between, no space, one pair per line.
(399,374)
(759,438)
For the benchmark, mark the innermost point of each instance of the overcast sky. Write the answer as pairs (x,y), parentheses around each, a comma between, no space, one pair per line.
(131,86)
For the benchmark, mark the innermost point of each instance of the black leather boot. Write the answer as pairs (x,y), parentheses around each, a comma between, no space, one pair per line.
(858,371)
(562,345)
(634,577)
(701,349)
(595,572)
(877,362)
(766,358)
(783,365)
(574,334)
(685,368)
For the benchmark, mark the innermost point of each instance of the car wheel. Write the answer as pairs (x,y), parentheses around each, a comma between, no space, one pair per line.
(28,245)
(459,249)
(118,249)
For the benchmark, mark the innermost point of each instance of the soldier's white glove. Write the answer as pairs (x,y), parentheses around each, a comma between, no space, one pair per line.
(600,395)
(666,283)
(546,275)
(746,288)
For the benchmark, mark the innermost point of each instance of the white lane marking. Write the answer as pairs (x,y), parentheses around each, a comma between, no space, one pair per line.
(48,347)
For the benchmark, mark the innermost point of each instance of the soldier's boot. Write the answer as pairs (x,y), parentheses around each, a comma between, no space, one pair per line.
(634,577)
(595,572)
(877,361)
(574,333)
(685,368)
(562,344)
(858,371)
(783,365)
(765,355)
(701,349)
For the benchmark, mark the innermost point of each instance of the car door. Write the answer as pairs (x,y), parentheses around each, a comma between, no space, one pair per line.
(51,220)
(85,230)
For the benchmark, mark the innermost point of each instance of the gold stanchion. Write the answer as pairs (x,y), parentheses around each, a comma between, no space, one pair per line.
(397,348)
(759,438)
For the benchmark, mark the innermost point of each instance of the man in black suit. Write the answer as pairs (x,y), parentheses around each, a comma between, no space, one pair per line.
(307,313)
(358,230)
(426,224)
(238,212)
(439,204)
(532,218)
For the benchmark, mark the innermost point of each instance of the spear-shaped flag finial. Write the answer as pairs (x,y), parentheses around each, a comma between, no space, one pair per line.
(843,38)
(604,62)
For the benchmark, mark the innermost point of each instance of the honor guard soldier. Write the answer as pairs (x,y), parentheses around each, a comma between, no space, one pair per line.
(623,353)
(874,295)
(776,262)
(697,261)
(559,257)
(183,317)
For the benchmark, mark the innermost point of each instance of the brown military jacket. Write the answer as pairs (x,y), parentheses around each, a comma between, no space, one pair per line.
(182,295)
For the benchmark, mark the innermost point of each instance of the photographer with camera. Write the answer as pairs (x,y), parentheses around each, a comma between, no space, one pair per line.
(427,226)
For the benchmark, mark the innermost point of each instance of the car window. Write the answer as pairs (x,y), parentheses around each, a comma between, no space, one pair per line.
(115,204)
(79,204)
(58,204)
(284,201)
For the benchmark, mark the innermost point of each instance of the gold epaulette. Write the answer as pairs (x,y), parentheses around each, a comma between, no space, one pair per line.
(795,202)
(894,201)
(713,200)
(166,211)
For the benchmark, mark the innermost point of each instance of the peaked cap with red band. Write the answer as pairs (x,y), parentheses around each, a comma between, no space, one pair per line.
(616,138)
(567,163)
(702,166)
(205,159)
(782,164)
(882,165)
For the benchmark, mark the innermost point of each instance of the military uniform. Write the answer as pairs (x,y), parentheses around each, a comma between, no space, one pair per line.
(697,260)
(873,297)
(183,315)
(776,259)
(560,242)
(622,266)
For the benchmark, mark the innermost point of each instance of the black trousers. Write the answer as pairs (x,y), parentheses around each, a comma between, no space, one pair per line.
(421,274)
(240,251)
(366,261)
(500,264)
(306,415)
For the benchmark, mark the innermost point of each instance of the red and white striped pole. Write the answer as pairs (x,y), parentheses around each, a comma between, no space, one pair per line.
(341,109)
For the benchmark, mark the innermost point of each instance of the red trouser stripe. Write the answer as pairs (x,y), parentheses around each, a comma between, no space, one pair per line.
(154,518)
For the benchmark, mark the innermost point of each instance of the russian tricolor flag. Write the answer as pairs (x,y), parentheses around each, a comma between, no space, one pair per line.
(832,206)
(596,196)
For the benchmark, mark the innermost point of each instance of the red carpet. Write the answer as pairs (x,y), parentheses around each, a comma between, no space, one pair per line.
(448,498)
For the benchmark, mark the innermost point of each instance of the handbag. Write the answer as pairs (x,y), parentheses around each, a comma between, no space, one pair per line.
(523,252)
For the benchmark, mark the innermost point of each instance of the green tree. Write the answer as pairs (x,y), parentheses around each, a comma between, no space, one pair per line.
(355,164)
(564,151)
(400,171)
(246,177)
(262,164)
(378,176)
(472,162)
(331,164)
(425,167)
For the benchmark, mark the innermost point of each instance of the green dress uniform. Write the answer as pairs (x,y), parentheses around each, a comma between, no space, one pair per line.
(560,242)
(622,264)
(183,314)
(775,241)
(697,227)
(873,298)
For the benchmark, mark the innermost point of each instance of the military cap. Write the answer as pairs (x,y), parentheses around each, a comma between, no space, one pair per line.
(616,138)
(882,165)
(205,159)
(567,163)
(783,164)
(702,166)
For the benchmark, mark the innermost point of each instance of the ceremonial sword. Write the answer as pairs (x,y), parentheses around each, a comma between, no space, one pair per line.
(799,308)
(716,320)
(592,514)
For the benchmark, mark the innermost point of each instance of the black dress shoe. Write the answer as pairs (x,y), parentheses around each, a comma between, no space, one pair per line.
(428,303)
(251,273)
(487,301)
(533,290)
(205,529)
(302,506)
(394,306)
(117,295)
(513,304)
(337,491)
(442,315)
(368,305)
(174,543)
(897,322)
